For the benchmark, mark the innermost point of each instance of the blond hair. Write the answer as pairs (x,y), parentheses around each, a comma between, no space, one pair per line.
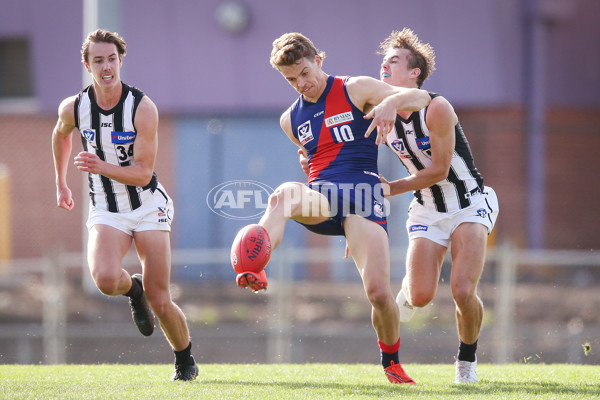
(421,56)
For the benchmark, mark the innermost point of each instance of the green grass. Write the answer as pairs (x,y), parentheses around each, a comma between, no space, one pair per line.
(293,381)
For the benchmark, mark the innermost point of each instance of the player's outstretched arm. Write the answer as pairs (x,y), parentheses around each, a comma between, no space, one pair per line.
(61,151)
(381,102)
(441,120)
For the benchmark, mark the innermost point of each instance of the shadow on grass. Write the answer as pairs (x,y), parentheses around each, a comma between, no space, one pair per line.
(483,388)
(529,388)
(375,390)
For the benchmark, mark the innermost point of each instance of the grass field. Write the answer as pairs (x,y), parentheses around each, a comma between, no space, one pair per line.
(293,381)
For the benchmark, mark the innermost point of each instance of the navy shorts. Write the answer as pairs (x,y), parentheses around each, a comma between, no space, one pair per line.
(364,199)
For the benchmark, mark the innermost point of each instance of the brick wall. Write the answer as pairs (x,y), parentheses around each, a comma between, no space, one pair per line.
(38,226)
(497,137)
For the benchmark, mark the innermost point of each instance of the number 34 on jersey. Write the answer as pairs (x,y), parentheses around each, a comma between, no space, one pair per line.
(123,143)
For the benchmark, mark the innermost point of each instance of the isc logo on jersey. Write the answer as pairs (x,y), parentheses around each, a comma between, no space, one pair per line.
(305,134)
(163,214)
(122,137)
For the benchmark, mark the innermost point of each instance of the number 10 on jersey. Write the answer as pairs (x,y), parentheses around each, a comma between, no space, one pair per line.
(342,133)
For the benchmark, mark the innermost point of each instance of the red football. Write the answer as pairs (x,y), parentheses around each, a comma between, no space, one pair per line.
(251,249)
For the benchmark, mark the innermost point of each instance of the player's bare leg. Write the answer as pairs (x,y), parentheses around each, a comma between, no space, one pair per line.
(106,248)
(154,251)
(293,200)
(423,267)
(468,257)
(369,247)
(368,244)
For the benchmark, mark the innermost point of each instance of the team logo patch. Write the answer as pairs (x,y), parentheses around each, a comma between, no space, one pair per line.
(339,119)
(423,143)
(122,137)
(163,214)
(305,133)
(482,212)
(416,228)
(378,209)
(399,147)
(89,135)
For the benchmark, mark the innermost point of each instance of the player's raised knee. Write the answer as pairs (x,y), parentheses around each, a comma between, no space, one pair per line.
(106,283)
(288,197)
(420,298)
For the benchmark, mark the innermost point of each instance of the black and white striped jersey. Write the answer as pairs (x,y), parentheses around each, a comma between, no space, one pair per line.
(409,140)
(110,134)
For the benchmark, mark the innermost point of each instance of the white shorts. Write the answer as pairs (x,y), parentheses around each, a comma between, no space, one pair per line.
(155,214)
(438,227)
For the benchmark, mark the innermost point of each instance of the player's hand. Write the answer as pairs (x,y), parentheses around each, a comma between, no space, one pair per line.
(64,199)
(385,186)
(303,162)
(88,162)
(383,118)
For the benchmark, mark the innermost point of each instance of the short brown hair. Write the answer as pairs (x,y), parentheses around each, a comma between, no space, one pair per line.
(421,56)
(102,35)
(291,47)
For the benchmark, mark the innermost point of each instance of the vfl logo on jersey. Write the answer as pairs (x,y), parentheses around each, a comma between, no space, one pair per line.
(90,136)
(400,148)
(398,145)
(122,137)
(378,209)
(423,143)
(416,228)
(482,212)
(305,133)
(339,119)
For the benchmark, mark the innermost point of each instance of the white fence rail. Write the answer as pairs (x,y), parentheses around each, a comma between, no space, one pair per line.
(506,259)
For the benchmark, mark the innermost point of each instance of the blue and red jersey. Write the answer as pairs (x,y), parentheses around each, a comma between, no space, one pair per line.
(332,131)
(343,163)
